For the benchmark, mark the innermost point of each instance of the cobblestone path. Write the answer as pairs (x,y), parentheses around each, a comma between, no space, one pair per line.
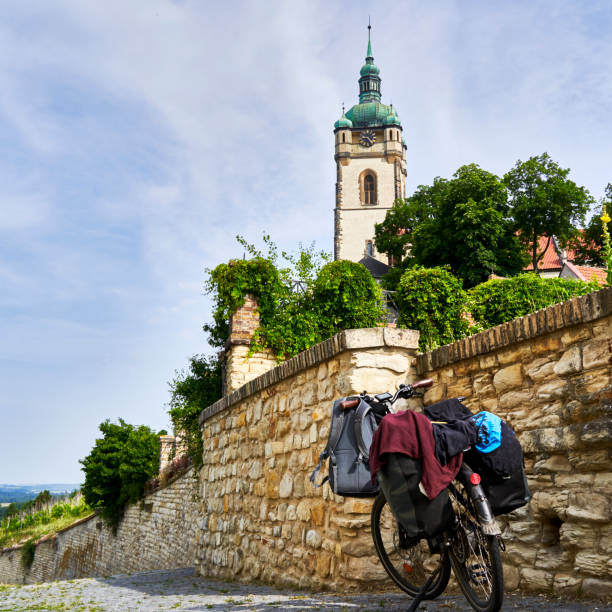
(181,590)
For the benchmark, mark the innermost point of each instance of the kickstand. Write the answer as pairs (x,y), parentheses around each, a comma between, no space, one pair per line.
(420,596)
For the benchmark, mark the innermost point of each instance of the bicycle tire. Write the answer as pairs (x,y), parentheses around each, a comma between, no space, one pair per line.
(476,561)
(408,564)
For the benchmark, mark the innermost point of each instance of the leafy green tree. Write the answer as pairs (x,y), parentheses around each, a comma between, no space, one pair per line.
(501,300)
(463,223)
(391,236)
(545,203)
(118,468)
(432,301)
(588,246)
(346,297)
(191,392)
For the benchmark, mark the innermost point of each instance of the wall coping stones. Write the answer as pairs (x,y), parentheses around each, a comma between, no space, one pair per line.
(553,318)
(349,339)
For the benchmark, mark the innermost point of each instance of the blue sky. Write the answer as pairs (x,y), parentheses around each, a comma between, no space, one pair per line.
(138,138)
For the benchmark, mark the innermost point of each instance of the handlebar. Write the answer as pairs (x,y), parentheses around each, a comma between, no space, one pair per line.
(404,391)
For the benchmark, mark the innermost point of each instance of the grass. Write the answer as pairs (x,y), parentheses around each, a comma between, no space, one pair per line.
(8,538)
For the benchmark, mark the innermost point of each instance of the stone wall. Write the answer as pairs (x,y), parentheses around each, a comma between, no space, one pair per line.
(261,519)
(549,375)
(158,533)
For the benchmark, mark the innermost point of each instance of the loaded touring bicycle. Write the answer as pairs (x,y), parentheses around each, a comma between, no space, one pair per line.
(439,480)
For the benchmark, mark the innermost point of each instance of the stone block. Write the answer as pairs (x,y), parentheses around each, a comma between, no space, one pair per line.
(556,463)
(286,485)
(590,460)
(596,565)
(272,485)
(569,363)
(357,506)
(535,579)
(540,369)
(323,564)
(517,354)
(396,362)
(302,511)
(358,547)
(403,338)
(597,353)
(597,588)
(577,535)
(508,378)
(566,583)
(362,338)
(313,539)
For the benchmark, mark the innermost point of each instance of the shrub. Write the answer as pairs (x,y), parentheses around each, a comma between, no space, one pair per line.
(346,297)
(431,300)
(192,391)
(499,300)
(118,468)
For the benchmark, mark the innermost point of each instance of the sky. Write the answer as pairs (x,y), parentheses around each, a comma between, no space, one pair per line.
(138,138)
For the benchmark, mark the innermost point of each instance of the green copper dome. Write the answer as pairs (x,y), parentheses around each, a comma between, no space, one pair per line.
(369,114)
(343,122)
(392,119)
(369,69)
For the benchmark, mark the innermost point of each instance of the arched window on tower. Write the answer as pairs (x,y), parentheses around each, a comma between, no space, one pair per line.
(343,137)
(369,190)
(369,250)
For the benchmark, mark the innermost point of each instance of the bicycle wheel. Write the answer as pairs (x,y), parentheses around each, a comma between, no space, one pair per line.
(476,561)
(408,562)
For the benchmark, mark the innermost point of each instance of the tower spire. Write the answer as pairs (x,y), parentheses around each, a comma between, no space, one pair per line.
(369,83)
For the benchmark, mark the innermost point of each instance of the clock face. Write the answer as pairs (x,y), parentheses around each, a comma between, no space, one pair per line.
(368,138)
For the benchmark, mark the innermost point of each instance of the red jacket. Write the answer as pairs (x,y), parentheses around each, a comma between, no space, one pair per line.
(411,433)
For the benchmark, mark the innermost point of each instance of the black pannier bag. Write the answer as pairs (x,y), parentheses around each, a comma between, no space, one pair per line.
(420,517)
(502,470)
(348,449)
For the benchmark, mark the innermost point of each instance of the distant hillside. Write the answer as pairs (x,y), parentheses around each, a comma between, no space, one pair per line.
(22,493)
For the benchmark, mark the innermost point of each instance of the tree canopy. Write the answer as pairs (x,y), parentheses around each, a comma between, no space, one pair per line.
(192,391)
(118,467)
(545,203)
(588,246)
(463,223)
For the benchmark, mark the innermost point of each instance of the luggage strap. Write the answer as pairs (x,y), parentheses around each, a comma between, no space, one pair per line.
(360,414)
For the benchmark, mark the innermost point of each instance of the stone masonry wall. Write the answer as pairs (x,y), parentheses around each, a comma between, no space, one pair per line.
(261,519)
(158,533)
(549,375)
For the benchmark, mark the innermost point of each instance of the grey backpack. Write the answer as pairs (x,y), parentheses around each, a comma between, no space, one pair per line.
(348,449)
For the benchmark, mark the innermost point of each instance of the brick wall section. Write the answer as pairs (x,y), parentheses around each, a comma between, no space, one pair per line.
(549,374)
(238,368)
(157,534)
(261,517)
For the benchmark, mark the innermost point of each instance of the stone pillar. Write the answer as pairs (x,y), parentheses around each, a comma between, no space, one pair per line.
(239,368)
(167,451)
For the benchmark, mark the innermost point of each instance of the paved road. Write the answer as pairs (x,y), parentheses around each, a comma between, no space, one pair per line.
(181,590)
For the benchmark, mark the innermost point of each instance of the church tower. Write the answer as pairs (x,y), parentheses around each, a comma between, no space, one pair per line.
(370,155)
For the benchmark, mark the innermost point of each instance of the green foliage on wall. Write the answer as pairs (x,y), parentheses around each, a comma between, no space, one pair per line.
(501,300)
(331,297)
(345,296)
(28,552)
(192,391)
(118,468)
(432,300)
